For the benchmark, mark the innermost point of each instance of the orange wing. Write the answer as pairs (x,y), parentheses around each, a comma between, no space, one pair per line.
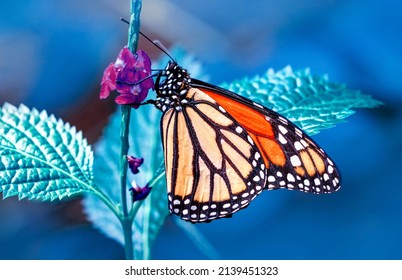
(213,167)
(293,160)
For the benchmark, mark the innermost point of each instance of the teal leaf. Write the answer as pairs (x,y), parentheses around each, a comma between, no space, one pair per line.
(311,102)
(145,142)
(42,157)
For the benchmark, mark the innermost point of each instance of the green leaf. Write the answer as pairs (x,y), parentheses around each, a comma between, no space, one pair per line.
(311,102)
(145,142)
(41,156)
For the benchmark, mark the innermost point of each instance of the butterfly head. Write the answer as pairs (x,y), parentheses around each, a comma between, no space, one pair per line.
(172,90)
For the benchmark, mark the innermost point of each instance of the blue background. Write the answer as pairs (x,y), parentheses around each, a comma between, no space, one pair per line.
(52,56)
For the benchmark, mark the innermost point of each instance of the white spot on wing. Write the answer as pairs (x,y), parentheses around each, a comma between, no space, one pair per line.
(282,139)
(291,178)
(239,129)
(304,143)
(298,146)
(283,120)
(258,105)
(295,160)
(282,129)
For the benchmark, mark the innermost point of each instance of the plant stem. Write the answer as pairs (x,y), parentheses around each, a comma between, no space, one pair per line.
(126,219)
(134,28)
(124,133)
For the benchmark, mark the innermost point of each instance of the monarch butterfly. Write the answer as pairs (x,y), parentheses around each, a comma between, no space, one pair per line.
(222,150)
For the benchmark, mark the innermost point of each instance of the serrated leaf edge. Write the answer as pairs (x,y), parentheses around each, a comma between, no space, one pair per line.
(43,115)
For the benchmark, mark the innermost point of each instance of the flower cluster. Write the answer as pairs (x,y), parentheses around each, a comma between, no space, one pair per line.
(130,75)
(134,163)
(138,193)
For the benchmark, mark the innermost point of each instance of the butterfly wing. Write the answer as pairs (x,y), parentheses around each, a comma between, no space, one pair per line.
(293,160)
(213,167)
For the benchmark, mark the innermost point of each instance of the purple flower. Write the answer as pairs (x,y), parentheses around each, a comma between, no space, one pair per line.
(130,76)
(108,83)
(134,163)
(138,193)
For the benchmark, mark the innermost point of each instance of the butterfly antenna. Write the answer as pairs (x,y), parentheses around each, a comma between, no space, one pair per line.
(160,46)
(156,43)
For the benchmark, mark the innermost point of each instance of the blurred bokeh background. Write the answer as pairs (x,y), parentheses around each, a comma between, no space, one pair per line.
(52,56)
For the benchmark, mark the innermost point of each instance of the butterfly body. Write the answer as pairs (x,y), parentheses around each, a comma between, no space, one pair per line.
(222,150)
